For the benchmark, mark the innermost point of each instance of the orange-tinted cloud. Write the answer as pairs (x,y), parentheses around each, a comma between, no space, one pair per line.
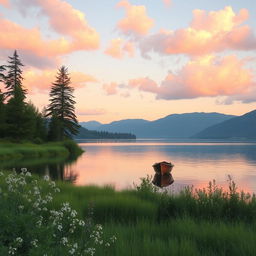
(5,3)
(14,36)
(118,48)
(136,21)
(208,32)
(144,84)
(75,33)
(35,80)
(110,88)
(203,77)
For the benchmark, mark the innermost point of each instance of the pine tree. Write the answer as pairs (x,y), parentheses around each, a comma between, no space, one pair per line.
(2,116)
(61,108)
(2,76)
(14,78)
(2,105)
(16,94)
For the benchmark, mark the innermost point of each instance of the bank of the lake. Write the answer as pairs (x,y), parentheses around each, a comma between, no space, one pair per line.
(209,221)
(26,150)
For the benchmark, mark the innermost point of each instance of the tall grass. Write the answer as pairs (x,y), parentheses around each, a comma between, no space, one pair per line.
(204,222)
(183,236)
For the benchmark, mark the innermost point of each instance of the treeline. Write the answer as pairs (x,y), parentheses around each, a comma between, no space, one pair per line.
(21,120)
(88,134)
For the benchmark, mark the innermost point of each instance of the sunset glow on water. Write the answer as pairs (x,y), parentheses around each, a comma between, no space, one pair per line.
(121,164)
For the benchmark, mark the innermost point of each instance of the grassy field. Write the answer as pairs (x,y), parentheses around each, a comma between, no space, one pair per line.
(209,221)
(16,151)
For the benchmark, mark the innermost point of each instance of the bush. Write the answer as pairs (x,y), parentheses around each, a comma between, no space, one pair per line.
(31,226)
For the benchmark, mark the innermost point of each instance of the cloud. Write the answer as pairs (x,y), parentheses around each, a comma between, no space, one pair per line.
(136,21)
(144,84)
(36,80)
(206,76)
(66,20)
(110,88)
(167,3)
(75,32)
(91,112)
(208,32)
(5,3)
(118,48)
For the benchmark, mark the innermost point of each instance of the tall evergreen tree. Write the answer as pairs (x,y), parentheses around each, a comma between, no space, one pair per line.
(2,76)
(16,94)
(14,78)
(62,107)
(2,105)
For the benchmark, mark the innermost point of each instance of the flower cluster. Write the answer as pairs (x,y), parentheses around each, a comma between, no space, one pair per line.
(32,200)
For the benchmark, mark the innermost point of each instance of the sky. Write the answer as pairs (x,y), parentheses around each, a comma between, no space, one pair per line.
(136,59)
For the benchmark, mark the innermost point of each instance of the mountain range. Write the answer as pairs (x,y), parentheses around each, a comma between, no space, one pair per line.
(172,126)
(242,127)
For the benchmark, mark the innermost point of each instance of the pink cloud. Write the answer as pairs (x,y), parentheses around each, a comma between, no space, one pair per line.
(144,84)
(208,32)
(5,3)
(35,80)
(118,48)
(75,32)
(110,88)
(136,21)
(206,76)
(71,22)
(167,3)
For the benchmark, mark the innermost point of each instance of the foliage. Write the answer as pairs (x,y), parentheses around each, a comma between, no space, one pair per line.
(31,226)
(61,108)
(89,134)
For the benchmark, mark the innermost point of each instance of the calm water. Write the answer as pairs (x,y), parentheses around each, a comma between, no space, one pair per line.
(123,163)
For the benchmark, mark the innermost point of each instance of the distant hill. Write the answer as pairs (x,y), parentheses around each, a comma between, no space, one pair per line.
(172,126)
(243,127)
(91,125)
(89,134)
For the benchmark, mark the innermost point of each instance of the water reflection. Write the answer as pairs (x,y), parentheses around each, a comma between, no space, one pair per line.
(164,180)
(57,169)
(123,164)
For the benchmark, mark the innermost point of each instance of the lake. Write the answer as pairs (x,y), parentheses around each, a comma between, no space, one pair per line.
(196,163)
(122,163)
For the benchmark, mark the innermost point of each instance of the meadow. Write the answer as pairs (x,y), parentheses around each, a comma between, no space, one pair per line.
(208,221)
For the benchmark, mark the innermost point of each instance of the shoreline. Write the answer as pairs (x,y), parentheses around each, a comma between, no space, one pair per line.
(20,151)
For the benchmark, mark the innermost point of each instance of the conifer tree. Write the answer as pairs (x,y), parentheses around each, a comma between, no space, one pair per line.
(16,94)
(62,108)
(14,76)
(2,105)
(2,76)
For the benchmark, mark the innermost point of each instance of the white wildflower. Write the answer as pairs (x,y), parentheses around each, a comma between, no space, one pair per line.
(46,178)
(34,242)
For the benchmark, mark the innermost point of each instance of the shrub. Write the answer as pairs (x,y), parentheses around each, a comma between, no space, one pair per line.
(31,226)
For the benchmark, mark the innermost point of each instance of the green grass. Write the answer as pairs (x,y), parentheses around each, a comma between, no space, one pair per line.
(183,237)
(203,222)
(17,151)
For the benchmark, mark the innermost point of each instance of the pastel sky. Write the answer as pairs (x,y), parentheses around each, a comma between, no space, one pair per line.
(136,59)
